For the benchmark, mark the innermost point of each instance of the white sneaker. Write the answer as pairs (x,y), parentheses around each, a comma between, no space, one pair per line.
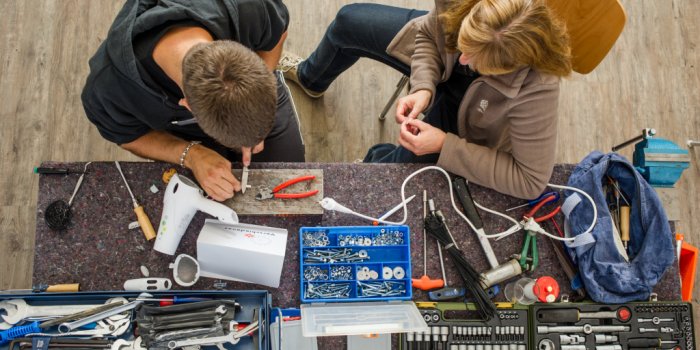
(288,65)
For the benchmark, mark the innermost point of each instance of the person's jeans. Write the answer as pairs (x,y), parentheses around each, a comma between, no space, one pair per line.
(359,30)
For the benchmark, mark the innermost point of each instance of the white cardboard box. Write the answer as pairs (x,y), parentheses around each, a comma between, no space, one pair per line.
(241,252)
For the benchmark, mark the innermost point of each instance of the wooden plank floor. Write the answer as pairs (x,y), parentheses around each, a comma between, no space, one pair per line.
(650,79)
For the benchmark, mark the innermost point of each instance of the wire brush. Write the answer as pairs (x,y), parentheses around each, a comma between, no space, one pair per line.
(436,227)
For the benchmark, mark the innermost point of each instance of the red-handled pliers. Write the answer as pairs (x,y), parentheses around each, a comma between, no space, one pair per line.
(266,193)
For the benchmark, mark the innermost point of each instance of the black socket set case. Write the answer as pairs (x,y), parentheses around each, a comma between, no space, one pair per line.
(509,331)
(669,322)
(504,332)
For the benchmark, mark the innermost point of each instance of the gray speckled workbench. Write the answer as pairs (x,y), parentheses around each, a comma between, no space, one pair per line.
(100,252)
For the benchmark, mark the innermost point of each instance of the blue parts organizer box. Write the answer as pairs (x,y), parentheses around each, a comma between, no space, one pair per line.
(355,263)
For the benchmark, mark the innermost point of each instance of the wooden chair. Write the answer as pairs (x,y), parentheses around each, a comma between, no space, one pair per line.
(593,26)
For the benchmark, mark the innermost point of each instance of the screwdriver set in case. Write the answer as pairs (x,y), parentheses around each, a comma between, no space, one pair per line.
(583,326)
(452,327)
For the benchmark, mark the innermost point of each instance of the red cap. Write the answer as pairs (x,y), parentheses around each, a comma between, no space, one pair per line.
(546,289)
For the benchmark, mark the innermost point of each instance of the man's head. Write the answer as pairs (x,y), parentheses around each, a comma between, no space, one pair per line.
(230,91)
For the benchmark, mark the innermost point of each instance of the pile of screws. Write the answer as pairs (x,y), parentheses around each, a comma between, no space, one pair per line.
(316,239)
(327,291)
(346,255)
(315,273)
(341,272)
(380,289)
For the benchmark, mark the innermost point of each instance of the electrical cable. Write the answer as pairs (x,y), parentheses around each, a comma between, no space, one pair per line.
(330,204)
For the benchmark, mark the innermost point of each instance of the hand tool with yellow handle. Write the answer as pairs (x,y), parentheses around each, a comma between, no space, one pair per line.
(144,222)
(49,288)
(625,224)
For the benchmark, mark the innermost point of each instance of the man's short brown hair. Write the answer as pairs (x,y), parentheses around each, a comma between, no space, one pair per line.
(230,91)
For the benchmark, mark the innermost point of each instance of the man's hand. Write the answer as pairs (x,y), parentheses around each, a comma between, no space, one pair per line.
(420,137)
(249,151)
(213,172)
(410,106)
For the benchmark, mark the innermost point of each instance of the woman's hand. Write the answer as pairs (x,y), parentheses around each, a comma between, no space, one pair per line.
(420,137)
(410,106)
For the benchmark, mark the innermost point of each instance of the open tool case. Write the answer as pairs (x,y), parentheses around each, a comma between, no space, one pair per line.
(356,280)
(456,326)
(253,304)
(569,326)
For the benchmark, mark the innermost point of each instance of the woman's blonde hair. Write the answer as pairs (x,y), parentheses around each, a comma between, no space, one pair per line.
(502,36)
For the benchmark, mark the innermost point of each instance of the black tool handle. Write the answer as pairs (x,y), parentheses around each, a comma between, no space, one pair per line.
(558,315)
(58,171)
(460,187)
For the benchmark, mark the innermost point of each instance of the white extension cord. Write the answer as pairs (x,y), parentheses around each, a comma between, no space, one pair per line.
(331,204)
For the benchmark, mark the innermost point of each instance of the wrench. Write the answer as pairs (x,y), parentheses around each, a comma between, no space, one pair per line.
(104,328)
(17,310)
(121,344)
(69,326)
(232,337)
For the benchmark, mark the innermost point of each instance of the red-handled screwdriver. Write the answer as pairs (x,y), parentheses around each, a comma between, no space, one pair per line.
(424,282)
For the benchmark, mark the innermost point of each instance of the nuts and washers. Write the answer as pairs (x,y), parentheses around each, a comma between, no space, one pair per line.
(655,320)
(315,273)
(387,273)
(586,329)
(399,272)
(364,273)
(316,239)
(342,272)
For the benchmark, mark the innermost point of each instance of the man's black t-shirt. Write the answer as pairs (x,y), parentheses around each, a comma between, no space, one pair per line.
(150,71)
(127,95)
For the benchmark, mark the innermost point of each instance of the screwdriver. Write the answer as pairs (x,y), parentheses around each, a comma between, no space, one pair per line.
(537,200)
(446,292)
(144,222)
(624,225)
(50,288)
(424,282)
(648,342)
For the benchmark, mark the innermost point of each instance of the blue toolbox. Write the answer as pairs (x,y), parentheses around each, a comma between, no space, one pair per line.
(162,320)
(340,264)
(356,280)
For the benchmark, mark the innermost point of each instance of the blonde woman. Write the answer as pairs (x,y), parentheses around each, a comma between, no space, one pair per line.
(485,74)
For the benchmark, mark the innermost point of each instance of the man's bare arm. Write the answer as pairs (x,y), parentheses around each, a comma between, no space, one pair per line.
(211,169)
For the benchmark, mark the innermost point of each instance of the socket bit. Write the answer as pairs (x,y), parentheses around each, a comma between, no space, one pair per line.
(602,338)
